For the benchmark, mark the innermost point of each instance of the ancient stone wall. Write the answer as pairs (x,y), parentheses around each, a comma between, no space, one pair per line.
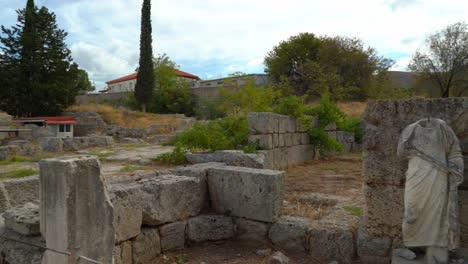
(17,192)
(384,172)
(54,144)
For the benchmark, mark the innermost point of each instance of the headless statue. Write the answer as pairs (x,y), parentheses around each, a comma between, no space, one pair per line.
(435,170)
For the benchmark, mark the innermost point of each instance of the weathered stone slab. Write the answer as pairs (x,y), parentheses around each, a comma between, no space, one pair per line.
(102,141)
(251,230)
(12,252)
(264,141)
(51,144)
(263,122)
(290,233)
(75,210)
(75,143)
(210,228)
(123,253)
(170,198)
(229,157)
(23,220)
(146,247)
(331,242)
(173,235)
(17,192)
(128,213)
(245,192)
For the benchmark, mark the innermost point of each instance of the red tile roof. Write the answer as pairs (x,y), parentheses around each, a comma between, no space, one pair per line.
(48,120)
(134,76)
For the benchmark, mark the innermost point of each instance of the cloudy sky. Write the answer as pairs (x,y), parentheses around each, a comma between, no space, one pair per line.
(212,38)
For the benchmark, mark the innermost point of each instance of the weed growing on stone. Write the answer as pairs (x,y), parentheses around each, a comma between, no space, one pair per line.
(176,157)
(19,173)
(130,168)
(353,210)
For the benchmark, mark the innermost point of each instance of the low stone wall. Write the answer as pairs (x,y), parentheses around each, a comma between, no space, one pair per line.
(17,147)
(17,192)
(384,172)
(54,144)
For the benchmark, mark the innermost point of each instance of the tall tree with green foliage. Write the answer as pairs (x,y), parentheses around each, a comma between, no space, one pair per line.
(37,73)
(444,60)
(315,65)
(145,79)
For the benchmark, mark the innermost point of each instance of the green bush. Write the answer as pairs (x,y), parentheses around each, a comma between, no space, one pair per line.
(176,99)
(176,157)
(222,134)
(291,105)
(209,109)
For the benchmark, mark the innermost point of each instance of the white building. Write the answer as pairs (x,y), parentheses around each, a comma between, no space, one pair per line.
(60,126)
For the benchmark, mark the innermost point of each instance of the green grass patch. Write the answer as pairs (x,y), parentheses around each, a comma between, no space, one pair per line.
(176,157)
(15,159)
(353,210)
(102,155)
(19,173)
(130,168)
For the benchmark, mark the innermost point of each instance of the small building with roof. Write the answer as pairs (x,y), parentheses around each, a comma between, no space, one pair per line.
(58,126)
(127,83)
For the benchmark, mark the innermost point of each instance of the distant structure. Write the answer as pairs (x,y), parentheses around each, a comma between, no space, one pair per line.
(59,126)
(127,83)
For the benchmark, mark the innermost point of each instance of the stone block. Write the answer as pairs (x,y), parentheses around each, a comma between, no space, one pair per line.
(76,143)
(281,140)
(228,157)
(275,140)
(123,253)
(384,212)
(169,198)
(290,124)
(373,246)
(51,144)
(288,139)
(17,192)
(12,252)
(300,128)
(296,139)
(383,168)
(263,122)
(305,139)
(6,152)
(330,127)
(264,141)
(245,192)
(102,141)
(23,220)
(463,195)
(173,235)
(75,184)
(128,213)
(146,247)
(251,230)
(278,258)
(290,233)
(330,242)
(210,228)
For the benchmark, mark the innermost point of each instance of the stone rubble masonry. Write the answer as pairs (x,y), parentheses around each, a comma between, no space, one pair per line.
(128,212)
(23,220)
(245,192)
(18,192)
(384,172)
(54,144)
(76,214)
(146,247)
(210,228)
(169,198)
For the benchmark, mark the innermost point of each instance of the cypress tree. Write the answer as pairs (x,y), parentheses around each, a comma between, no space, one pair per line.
(37,74)
(145,79)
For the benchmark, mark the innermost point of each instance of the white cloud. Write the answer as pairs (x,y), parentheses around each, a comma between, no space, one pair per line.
(212,38)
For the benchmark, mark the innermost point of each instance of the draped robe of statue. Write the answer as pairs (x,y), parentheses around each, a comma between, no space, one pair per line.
(431,199)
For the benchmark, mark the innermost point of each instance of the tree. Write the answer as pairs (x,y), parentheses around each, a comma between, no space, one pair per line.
(83,83)
(145,79)
(444,60)
(314,65)
(37,73)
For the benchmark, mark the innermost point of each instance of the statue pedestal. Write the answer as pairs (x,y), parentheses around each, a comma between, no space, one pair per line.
(420,259)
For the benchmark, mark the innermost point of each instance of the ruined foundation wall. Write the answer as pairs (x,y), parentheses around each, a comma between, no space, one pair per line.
(384,172)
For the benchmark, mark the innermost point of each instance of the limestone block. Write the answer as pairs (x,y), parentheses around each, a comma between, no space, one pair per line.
(296,139)
(300,128)
(76,143)
(128,213)
(288,140)
(6,152)
(305,139)
(75,184)
(169,198)
(276,140)
(290,233)
(17,192)
(146,247)
(290,123)
(210,228)
(263,123)
(51,144)
(251,230)
(102,141)
(281,140)
(278,258)
(23,220)
(24,146)
(173,235)
(383,168)
(245,192)
(264,141)
(229,157)
(373,246)
(384,212)
(332,242)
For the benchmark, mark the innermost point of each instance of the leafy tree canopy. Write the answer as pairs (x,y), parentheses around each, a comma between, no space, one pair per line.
(312,65)
(37,73)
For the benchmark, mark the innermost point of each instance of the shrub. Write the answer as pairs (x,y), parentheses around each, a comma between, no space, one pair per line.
(176,157)
(291,105)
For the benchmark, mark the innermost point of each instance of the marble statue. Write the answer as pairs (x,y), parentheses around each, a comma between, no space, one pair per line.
(435,170)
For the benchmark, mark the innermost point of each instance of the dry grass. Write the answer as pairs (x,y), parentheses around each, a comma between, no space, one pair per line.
(125,118)
(297,207)
(353,109)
